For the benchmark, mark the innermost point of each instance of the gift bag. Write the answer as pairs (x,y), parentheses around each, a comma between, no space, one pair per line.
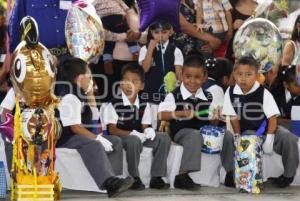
(212,139)
(248,164)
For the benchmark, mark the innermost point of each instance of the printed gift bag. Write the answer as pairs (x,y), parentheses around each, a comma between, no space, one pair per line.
(248,164)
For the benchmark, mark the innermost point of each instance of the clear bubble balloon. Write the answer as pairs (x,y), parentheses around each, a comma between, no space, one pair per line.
(261,39)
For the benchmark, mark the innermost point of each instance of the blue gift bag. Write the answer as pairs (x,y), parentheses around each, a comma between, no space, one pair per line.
(3,185)
(213,139)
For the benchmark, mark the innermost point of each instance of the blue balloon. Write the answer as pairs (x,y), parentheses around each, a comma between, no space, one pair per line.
(159,10)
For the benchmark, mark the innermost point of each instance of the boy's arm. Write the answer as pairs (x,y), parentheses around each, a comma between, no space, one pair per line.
(235,123)
(270,137)
(178,62)
(80,130)
(110,118)
(114,130)
(166,110)
(146,126)
(167,116)
(271,111)
(272,125)
(228,110)
(178,70)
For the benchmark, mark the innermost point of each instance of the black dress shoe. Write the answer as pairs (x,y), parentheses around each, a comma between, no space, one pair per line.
(158,183)
(282,181)
(183,181)
(138,184)
(229,179)
(115,185)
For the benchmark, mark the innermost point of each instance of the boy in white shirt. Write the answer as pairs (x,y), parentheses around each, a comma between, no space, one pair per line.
(249,104)
(185,109)
(129,117)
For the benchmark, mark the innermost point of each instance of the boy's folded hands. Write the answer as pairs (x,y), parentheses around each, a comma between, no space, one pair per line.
(106,143)
(140,135)
(150,133)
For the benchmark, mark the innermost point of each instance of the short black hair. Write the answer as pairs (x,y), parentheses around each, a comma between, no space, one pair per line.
(247,60)
(73,67)
(195,61)
(133,68)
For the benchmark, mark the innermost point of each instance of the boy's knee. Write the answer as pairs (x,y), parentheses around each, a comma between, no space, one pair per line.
(195,137)
(95,146)
(115,140)
(133,141)
(164,138)
(286,136)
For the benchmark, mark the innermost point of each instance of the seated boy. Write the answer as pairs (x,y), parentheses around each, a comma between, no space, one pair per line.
(130,118)
(249,105)
(181,108)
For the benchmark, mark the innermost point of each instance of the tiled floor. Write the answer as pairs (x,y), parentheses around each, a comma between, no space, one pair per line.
(205,194)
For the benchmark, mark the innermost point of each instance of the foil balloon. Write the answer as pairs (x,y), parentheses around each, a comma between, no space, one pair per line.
(35,127)
(31,118)
(261,39)
(29,30)
(248,164)
(84,32)
(159,10)
(212,139)
(33,74)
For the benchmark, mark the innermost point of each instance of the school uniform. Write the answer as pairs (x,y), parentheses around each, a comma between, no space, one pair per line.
(131,117)
(255,107)
(216,91)
(165,58)
(74,110)
(186,131)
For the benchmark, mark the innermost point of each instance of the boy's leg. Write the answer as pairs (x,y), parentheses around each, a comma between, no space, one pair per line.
(161,146)
(133,147)
(93,156)
(116,156)
(227,158)
(286,144)
(192,142)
